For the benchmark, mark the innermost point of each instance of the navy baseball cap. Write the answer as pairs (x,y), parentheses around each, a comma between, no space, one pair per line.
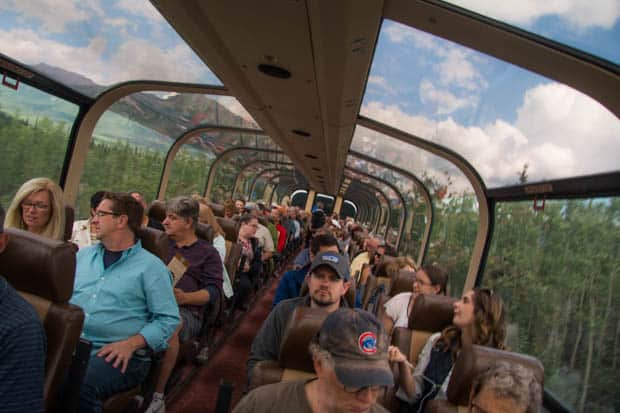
(358,345)
(335,261)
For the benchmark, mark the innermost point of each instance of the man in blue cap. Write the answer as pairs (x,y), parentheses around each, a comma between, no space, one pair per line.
(351,363)
(328,281)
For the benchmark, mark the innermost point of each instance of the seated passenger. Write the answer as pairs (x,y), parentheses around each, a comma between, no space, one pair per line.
(38,207)
(480,314)
(430,279)
(206,216)
(290,284)
(200,283)
(22,346)
(156,214)
(250,263)
(126,294)
(366,257)
(83,234)
(506,387)
(146,220)
(328,282)
(350,360)
(239,207)
(229,209)
(265,241)
(276,214)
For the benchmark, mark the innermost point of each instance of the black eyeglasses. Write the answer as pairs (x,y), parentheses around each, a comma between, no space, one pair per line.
(102,214)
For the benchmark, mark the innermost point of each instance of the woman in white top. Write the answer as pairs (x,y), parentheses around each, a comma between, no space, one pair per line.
(429,279)
(206,216)
(481,313)
(83,234)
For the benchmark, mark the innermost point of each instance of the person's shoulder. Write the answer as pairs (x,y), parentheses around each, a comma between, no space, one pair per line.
(286,306)
(16,311)
(401,297)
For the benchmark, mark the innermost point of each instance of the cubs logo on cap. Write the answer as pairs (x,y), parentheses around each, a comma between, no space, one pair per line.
(367,342)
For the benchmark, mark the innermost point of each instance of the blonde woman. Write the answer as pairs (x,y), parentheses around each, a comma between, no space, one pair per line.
(38,207)
(206,216)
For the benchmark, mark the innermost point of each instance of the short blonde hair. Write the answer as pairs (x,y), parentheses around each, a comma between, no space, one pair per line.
(55,227)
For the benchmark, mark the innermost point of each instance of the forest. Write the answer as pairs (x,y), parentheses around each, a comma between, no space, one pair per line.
(556,269)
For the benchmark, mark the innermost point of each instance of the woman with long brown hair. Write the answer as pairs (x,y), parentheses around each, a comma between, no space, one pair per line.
(479,311)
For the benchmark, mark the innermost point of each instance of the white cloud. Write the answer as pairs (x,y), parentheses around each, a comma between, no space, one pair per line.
(53,15)
(134,59)
(142,8)
(580,13)
(559,133)
(445,101)
(381,83)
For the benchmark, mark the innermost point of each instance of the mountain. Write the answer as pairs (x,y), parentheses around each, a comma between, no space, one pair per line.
(74,80)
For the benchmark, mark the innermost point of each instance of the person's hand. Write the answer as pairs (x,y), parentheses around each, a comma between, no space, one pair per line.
(395,355)
(180,296)
(118,353)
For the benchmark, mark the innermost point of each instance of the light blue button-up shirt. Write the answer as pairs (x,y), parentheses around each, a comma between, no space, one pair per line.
(132,296)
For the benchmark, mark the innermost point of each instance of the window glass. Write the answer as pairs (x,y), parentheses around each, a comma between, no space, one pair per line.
(594,30)
(34,133)
(190,167)
(558,271)
(505,121)
(455,219)
(92,45)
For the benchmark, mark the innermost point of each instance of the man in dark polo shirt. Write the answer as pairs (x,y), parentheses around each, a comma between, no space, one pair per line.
(199,266)
(22,348)
(350,356)
(328,282)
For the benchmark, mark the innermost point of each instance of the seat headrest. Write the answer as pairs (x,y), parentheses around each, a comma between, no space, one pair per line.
(154,241)
(39,265)
(474,360)
(402,282)
(302,326)
(218,210)
(204,231)
(230,228)
(69,218)
(431,312)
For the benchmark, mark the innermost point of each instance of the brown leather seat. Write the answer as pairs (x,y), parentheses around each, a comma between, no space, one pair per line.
(472,361)
(402,282)
(430,314)
(205,232)
(154,241)
(218,210)
(294,360)
(43,271)
(69,218)
(349,296)
(230,228)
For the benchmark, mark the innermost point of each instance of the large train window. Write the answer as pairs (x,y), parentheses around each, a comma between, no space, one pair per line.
(34,132)
(558,271)
(455,217)
(504,120)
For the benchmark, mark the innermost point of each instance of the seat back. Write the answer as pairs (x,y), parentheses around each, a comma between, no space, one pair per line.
(430,314)
(402,282)
(69,218)
(154,241)
(218,210)
(473,360)
(349,295)
(43,271)
(205,232)
(294,360)
(230,228)
(231,261)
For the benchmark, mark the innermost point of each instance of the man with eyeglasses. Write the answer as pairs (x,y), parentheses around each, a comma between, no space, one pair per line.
(351,363)
(126,294)
(328,282)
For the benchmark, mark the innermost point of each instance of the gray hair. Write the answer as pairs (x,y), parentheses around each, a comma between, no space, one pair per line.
(511,381)
(185,207)
(319,353)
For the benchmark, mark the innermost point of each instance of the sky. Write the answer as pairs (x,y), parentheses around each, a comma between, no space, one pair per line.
(498,116)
